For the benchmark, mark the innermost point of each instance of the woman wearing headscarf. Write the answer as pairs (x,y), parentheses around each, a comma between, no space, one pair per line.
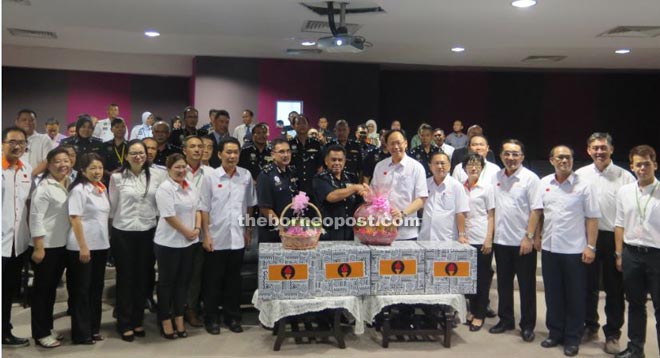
(143,130)
(372,133)
(87,247)
(83,142)
(49,227)
(134,216)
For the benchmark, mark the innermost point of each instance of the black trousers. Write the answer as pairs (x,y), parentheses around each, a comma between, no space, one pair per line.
(11,284)
(195,286)
(605,265)
(222,285)
(174,268)
(47,275)
(510,264)
(565,280)
(132,251)
(87,293)
(641,276)
(479,301)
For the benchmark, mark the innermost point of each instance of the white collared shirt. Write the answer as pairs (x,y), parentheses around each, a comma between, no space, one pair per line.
(638,230)
(93,207)
(487,174)
(444,202)
(482,199)
(227,199)
(49,213)
(566,206)
(448,149)
(197,178)
(515,198)
(58,138)
(406,182)
(605,185)
(16,183)
(38,146)
(173,200)
(131,209)
(103,131)
(239,132)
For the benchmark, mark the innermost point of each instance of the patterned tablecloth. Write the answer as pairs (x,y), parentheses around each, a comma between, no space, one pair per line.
(272,311)
(362,309)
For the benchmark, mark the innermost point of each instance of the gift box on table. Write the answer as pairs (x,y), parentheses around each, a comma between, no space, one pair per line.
(397,269)
(341,269)
(283,273)
(450,267)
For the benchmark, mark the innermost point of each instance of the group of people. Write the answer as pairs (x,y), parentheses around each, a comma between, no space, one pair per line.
(181,196)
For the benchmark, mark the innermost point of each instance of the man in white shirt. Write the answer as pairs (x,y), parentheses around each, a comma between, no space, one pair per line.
(439,138)
(228,194)
(244,131)
(102,128)
(605,178)
(570,230)
(637,237)
(446,206)
(53,131)
(38,145)
(406,179)
(516,199)
(477,144)
(16,182)
(193,146)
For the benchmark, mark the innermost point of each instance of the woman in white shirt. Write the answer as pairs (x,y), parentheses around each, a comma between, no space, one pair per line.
(178,229)
(134,215)
(88,246)
(49,227)
(479,227)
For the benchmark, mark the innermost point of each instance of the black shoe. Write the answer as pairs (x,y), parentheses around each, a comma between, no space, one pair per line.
(10,341)
(128,337)
(571,351)
(235,327)
(630,353)
(213,328)
(501,328)
(182,334)
(474,328)
(167,336)
(140,334)
(527,335)
(490,313)
(549,343)
(85,342)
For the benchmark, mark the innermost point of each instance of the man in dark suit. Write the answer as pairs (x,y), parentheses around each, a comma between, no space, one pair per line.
(220,124)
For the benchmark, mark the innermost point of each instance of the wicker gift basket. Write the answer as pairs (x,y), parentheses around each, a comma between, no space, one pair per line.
(302,233)
(374,223)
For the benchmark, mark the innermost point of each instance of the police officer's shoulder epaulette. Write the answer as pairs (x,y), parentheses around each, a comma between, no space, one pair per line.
(247,146)
(268,168)
(202,132)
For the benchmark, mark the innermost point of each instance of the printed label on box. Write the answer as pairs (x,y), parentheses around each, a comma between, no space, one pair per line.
(342,270)
(299,272)
(397,267)
(451,269)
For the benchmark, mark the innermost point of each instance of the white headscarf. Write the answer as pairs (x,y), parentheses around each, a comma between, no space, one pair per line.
(143,130)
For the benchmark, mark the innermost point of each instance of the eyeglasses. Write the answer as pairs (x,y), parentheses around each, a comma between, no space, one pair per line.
(16,143)
(136,154)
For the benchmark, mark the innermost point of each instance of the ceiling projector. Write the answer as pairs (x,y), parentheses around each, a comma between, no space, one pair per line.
(341,43)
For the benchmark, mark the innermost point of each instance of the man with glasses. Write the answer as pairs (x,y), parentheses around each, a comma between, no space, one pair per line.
(570,229)
(16,182)
(605,178)
(439,139)
(637,239)
(516,218)
(277,184)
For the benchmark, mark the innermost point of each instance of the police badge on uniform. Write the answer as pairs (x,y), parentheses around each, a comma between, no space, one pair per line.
(277,180)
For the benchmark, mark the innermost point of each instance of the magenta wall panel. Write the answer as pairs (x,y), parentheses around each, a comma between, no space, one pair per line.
(91,92)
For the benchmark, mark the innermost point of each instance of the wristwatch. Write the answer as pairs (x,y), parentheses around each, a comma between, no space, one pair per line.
(530,235)
(592,248)
(617,254)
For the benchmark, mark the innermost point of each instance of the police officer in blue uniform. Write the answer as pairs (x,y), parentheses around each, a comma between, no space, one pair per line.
(306,154)
(423,152)
(83,142)
(277,184)
(353,148)
(257,154)
(374,157)
(338,193)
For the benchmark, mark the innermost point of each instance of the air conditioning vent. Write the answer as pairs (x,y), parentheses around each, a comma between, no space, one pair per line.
(20,2)
(302,51)
(540,58)
(49,35)
(322,27)
(632,31)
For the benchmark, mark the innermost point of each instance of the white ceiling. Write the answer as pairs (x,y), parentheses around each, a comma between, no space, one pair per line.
(422,32)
